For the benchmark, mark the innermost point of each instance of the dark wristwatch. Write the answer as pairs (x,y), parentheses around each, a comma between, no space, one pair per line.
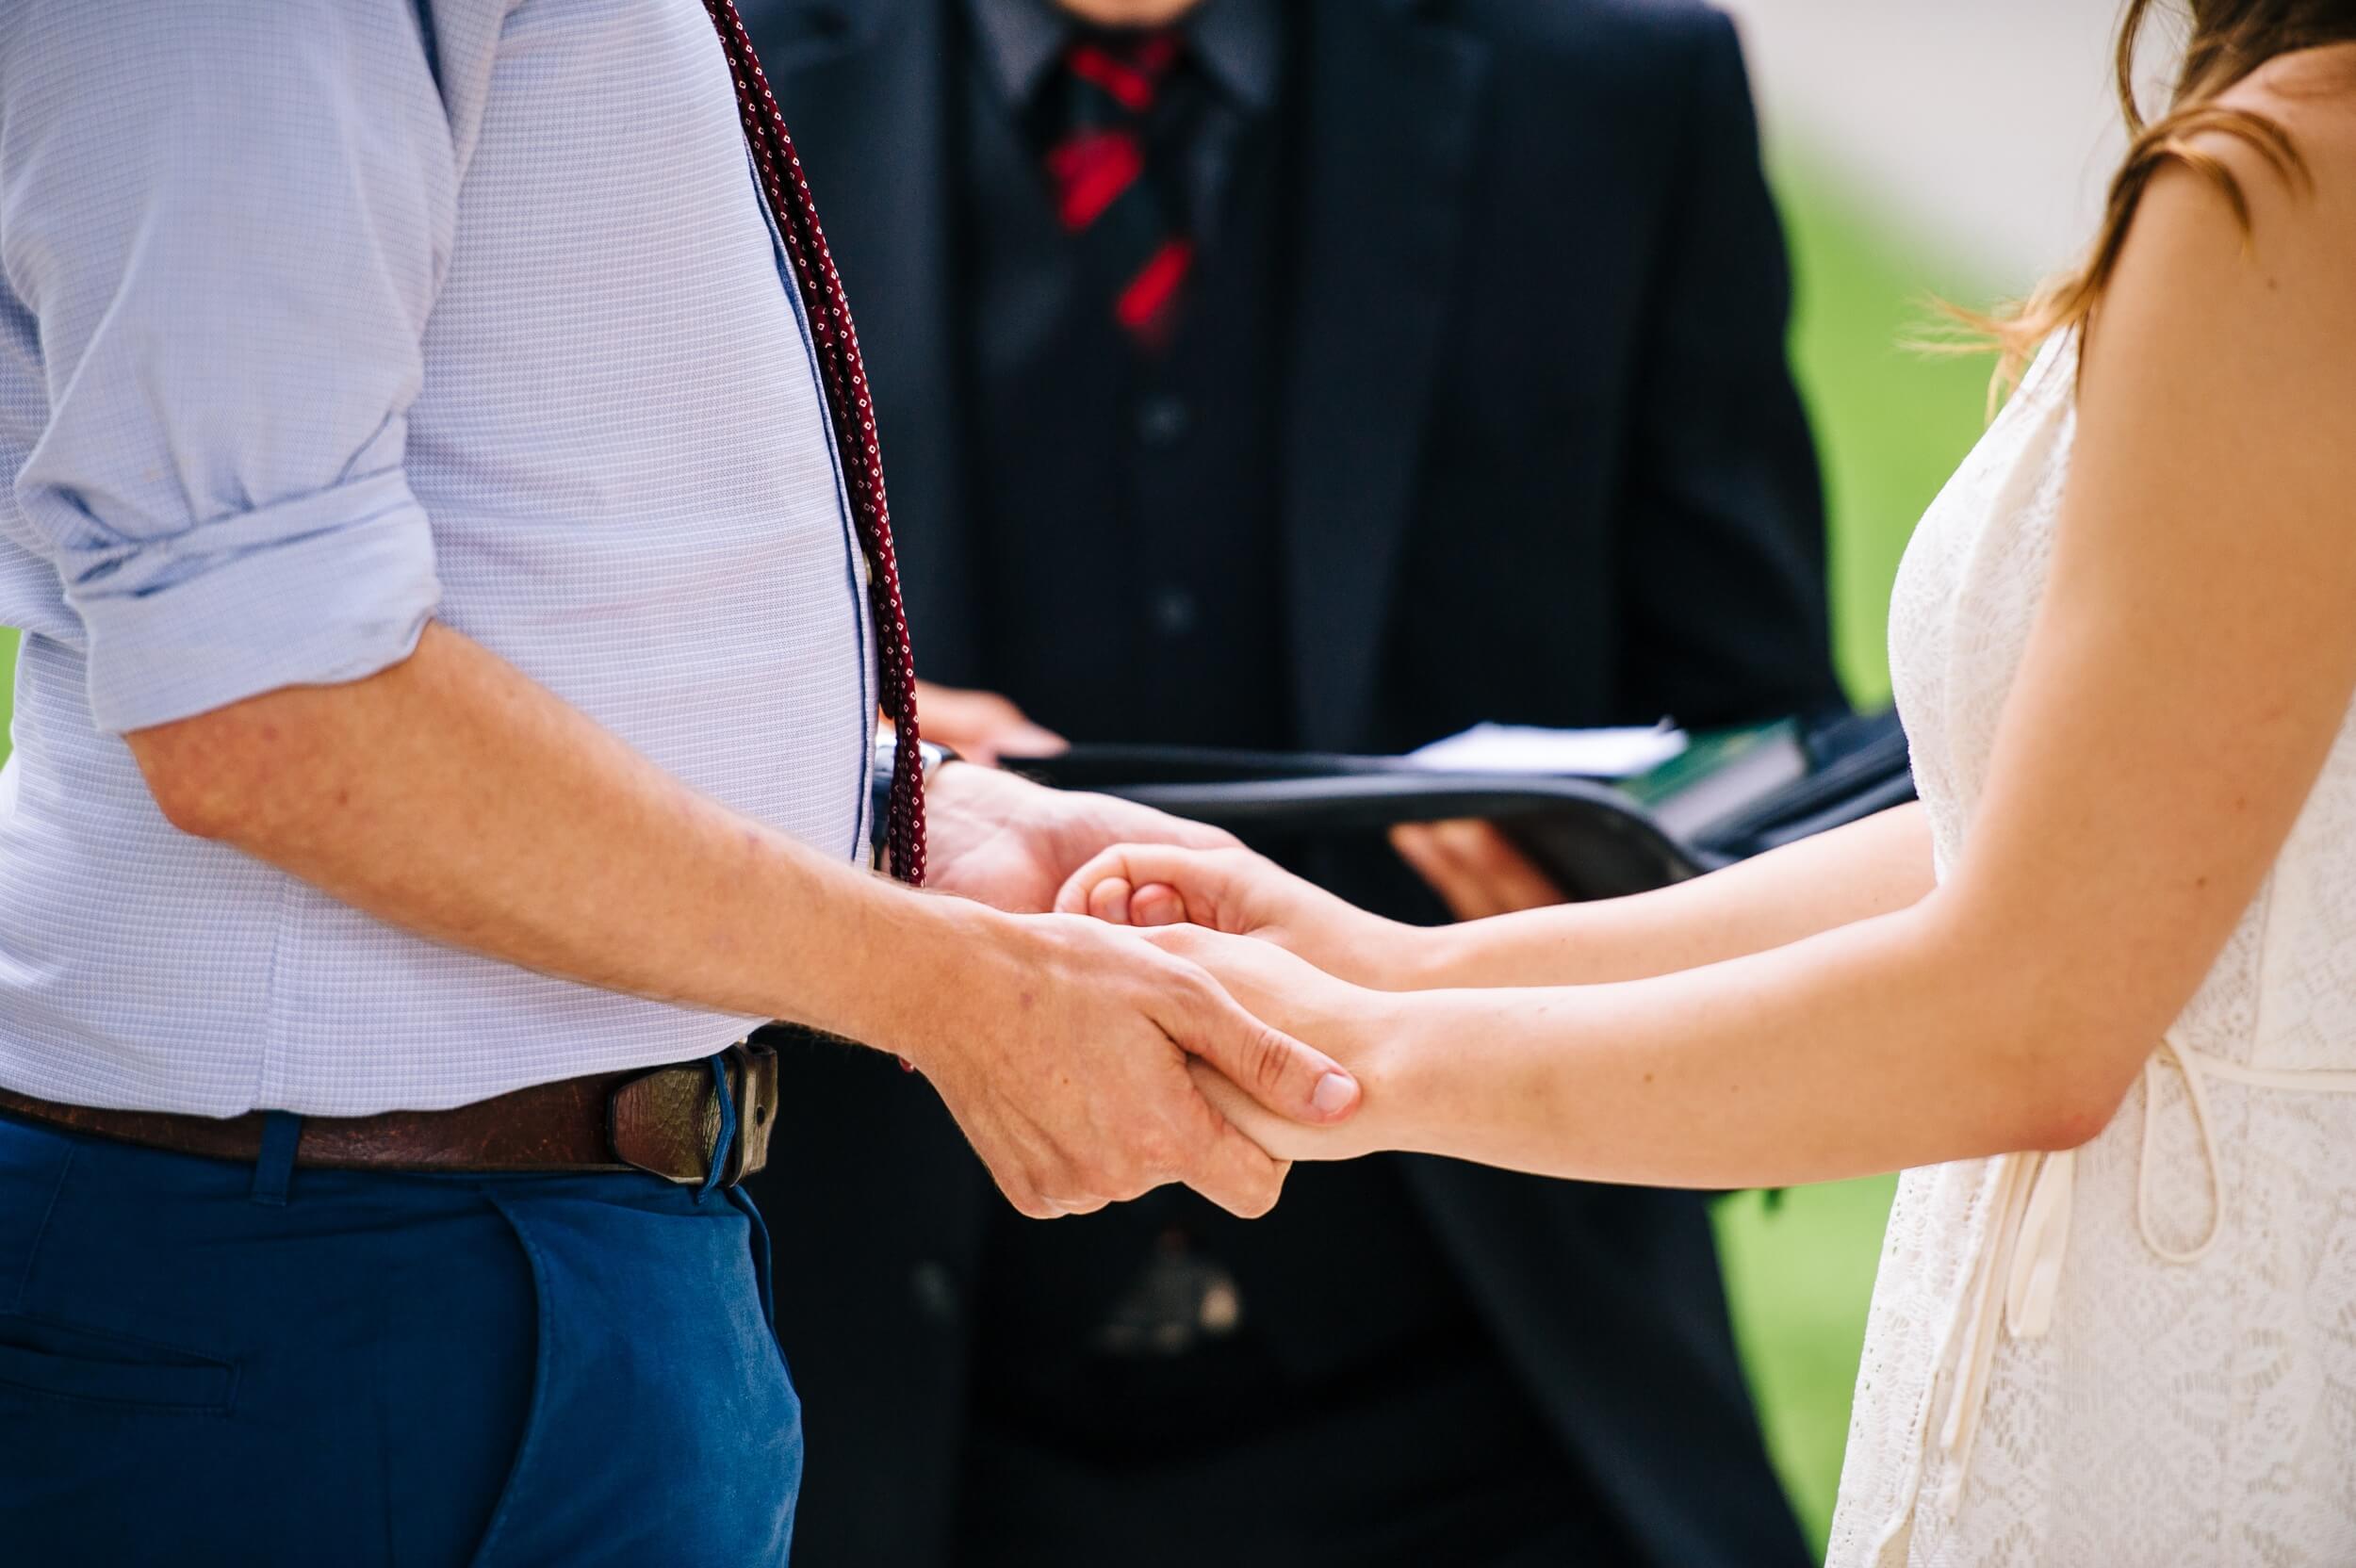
(879,786)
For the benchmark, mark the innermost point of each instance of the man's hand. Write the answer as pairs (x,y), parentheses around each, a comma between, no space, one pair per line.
(1063,1051)
(1006,841)
(1474,867)
(982,727)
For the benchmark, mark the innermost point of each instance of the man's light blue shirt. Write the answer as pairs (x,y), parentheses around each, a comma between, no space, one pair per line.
(309,334)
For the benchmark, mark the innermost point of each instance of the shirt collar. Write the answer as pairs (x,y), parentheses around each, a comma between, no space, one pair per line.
(1239,43)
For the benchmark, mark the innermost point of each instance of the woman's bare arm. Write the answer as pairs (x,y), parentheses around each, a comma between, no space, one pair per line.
(1868,868)
(2190,668)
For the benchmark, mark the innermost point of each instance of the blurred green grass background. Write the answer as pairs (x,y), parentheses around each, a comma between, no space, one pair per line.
(1890,425)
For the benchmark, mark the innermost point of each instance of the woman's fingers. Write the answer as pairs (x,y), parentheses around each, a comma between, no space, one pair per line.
(1116,902)
(1078,894)
(1107,886)
(1157,903)
(1110,901)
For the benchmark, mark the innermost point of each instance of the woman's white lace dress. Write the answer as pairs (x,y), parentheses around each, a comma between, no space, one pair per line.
(2143,1352)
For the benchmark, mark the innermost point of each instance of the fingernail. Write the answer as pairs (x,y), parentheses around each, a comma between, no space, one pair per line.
(1109,901)
(1333,1094)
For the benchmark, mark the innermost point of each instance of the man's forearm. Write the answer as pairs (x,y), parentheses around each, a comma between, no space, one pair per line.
(453,796)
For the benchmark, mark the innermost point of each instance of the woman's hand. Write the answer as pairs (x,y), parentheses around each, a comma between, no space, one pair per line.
(999,838)
(1244,895)
(1369,1033)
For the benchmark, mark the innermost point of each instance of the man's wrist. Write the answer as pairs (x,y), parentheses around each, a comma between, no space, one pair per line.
(932,963)
(932,756)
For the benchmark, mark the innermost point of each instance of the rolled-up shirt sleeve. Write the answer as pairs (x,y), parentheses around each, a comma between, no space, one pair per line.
(228,218)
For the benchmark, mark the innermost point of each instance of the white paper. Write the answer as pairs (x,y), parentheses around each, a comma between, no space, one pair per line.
(1580,752)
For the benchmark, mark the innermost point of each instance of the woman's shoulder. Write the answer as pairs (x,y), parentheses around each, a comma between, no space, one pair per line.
(2273,166)
(2248,225)
(2223,344)
(2310,92)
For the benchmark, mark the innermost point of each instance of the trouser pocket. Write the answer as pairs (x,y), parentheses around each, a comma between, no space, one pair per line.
(664,1427)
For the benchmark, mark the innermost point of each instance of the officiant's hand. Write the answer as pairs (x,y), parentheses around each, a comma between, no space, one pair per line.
(1474,867)
(983,727)
(1234,891)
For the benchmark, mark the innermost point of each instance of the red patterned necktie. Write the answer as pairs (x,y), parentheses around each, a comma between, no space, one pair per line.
(1125,113)
(853,412)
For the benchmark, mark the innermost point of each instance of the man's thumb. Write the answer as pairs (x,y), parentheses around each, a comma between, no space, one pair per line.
(1296,1081)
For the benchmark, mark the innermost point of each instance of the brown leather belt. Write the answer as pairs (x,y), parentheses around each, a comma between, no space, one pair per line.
(665,1122)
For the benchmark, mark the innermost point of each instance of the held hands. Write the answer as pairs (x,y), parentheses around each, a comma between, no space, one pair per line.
(1076,1057)
(1067,1065)
(1311,964)
(1370,1032)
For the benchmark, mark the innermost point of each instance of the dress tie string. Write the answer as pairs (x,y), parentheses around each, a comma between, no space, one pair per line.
(2016,1275)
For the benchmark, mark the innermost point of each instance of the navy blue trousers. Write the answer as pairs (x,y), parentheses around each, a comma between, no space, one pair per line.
(207,1363)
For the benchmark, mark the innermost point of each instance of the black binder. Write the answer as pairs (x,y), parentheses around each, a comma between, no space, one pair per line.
(1731,795)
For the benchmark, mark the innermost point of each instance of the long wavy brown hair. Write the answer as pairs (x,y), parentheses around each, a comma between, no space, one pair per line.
(2226,41)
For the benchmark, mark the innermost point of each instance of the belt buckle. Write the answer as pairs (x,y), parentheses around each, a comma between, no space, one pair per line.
(753,1080)
(666,1123)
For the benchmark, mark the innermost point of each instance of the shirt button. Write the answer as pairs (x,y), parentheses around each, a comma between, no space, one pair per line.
(1162,420)
(1174,612)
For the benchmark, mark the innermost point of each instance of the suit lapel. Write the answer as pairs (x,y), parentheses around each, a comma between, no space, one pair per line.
(866,85)
(1388,135)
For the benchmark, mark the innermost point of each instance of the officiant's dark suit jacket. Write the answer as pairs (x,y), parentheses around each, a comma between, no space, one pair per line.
(1538,458)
